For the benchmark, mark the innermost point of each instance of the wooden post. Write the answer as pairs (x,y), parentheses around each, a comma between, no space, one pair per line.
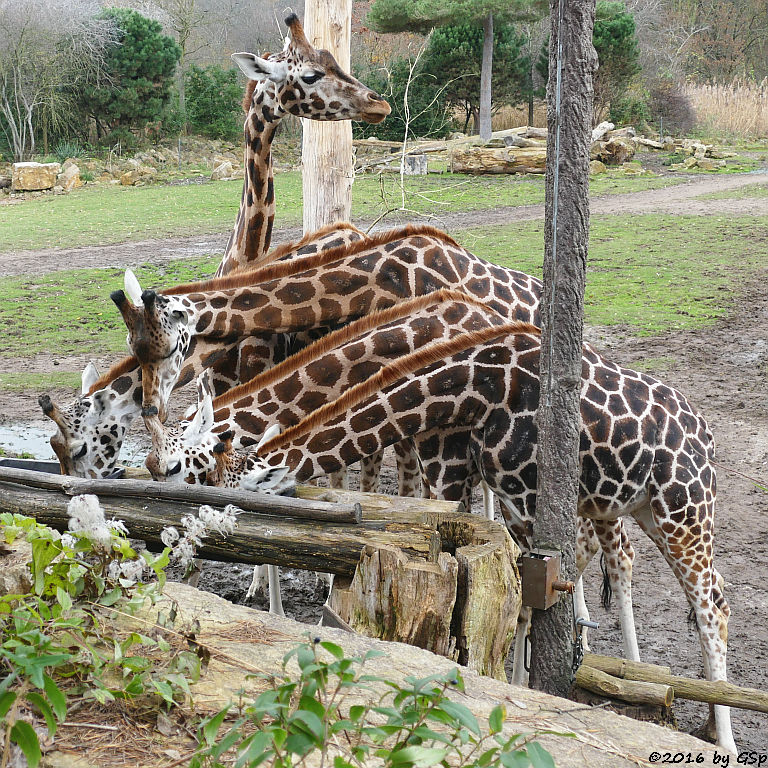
(572,61)
(326,154)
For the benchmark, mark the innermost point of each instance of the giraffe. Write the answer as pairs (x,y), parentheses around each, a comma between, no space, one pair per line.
(644,451)
(301,81)
(90,431)
(318,374)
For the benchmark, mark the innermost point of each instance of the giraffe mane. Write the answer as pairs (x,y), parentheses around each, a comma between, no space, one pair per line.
(287,268)
(120,368)
(250,87)
(294,245)
(354,329)
(390,374)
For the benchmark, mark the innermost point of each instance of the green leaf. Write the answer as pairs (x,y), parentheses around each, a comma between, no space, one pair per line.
(333,649)
(517,759)
(45,710)
(255,750)
(461,714)
(6,702)
(540,758)
(56,697)
(312,722)
(418,757)
(24,735)
(44,552)
(496,718)
(356,712)
(63,599)
(211,727)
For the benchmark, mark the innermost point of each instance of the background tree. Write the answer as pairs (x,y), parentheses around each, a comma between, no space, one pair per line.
(454,55)
(424,15)
(617,53)
(140,68)
(214,96)
(48,50)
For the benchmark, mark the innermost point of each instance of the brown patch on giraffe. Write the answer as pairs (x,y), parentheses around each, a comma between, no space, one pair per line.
(126,365)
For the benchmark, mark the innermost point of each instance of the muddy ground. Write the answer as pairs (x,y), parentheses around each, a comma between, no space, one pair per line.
(723,369)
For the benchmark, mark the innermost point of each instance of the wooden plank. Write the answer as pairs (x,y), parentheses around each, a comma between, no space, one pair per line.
(260,503)
(306,544)
(635,692)
(719,692)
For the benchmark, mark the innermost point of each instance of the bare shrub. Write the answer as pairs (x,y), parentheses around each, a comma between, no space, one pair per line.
(671,108)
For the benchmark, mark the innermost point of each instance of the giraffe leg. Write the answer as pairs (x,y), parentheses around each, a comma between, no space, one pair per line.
(408,469)
(370,470)
(258,582)
(339,479)
(519,672)
(587,545)
(275,597)
(699,581)
(488,498)
(619,557)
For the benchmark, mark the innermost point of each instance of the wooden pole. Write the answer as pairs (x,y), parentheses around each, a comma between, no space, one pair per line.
(572,61)
(260,503)
(305,544)
(327,146)
(632,691)
(717,692)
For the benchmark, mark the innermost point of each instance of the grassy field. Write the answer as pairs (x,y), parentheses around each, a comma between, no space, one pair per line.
(651,274)
(753,190)
(104,215)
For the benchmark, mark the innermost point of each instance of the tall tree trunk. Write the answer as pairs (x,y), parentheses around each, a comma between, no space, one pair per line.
(327,146)
(486,76)
(565,259)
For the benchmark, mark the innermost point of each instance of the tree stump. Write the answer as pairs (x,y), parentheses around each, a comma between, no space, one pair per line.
(499,159)
(415,165)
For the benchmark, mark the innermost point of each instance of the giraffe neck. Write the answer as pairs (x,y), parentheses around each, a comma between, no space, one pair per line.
(252,234)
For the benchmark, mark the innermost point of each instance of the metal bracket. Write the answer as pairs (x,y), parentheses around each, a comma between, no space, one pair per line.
(540,573)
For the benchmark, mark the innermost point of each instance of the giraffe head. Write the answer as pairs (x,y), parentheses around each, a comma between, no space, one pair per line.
(91,430)
(307,82)
(246,469)
(158,335)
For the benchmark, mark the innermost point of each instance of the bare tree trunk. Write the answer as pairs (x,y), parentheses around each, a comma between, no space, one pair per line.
(327,146)
(486,76)
(565,258)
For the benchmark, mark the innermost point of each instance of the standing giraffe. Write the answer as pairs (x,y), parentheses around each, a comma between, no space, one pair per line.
(644,451)
(319,374)
(300,81)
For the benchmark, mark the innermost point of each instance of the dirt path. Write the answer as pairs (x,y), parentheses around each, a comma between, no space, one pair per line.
(723,369)
(678,199)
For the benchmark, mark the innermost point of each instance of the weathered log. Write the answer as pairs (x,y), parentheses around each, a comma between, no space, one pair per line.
(719,692)
(635,692)
(599,131)
(499,160)
(310,545)
(259,503)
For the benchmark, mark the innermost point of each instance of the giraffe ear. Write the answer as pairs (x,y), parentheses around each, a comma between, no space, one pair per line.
(89,377)
(273,431)
(256,68)
(132,288)
(201,424)
(204,385)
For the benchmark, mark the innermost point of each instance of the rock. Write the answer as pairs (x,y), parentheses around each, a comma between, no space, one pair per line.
(634,169)
(222,171)
(34,176)
(15,576)
(69,178)
(132,177)
(5,182)
(58,190)
(706,164)
(601,130)
(596,166)
(650,143)
(627,132)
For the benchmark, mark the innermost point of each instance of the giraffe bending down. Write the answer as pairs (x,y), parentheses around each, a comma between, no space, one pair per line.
(644,451)
(300,81)
(319,374)
(90,431)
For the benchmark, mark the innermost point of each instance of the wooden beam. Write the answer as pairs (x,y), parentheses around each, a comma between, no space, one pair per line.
(259,503)
(633,691)
(719,692)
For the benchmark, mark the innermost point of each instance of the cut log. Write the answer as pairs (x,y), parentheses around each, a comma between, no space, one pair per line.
(633,691)
(601,130)
(260,503)
(719,692)
(309,545)
(499,160)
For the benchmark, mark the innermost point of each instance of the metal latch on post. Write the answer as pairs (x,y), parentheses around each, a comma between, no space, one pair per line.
(540,574)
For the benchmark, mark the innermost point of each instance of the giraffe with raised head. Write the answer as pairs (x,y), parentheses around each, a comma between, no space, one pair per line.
(644,451)
(300,81)
(319,374)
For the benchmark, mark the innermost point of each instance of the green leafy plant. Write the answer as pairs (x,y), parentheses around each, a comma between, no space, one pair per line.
(413,725)
(213,102)
(56,643)
(67,148)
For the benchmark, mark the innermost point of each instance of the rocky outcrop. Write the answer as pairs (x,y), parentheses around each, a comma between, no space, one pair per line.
(33,177)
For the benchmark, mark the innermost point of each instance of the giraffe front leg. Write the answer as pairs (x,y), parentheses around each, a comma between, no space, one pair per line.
(370,471)
(519,672)
(409,480)
(587,545)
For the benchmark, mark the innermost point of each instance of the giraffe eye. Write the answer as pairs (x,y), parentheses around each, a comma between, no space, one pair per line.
(175,469)
(312,77)
(81,452)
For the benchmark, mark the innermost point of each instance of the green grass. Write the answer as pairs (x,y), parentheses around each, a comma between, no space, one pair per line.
(25,382)
(743,193)
(650,273)
(654,364)
(112,214)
